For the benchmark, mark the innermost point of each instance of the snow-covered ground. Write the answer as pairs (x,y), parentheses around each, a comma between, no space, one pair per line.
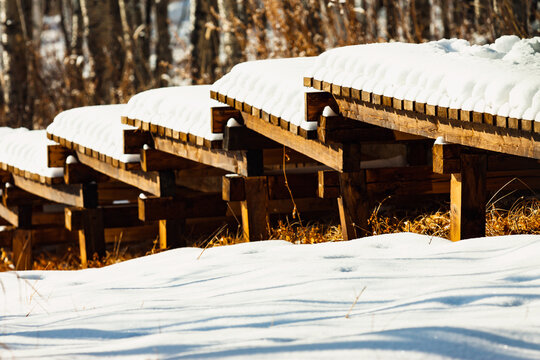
(400,296)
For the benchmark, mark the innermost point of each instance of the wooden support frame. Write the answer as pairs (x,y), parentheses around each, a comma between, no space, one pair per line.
(254,209)
(246,163)
(114,216)
(478,135)
(220,116)
(160,183)
(341,157)
(354,205)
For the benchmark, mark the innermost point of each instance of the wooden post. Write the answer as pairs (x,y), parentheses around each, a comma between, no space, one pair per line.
(468,198)
(22,239)
(354,205)
(92,235)
(255,209)
(169,234)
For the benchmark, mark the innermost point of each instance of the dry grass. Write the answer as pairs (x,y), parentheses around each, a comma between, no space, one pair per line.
(523,217)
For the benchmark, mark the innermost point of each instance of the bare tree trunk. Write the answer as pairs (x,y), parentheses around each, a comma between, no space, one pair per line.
(391,18)
(205,41)
(163,51)
(421,17)
(233,36)
(137,19)
(98,34)
(14,71)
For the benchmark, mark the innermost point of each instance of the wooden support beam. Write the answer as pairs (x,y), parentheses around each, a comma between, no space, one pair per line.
(315,102)
(91,235)
(337,156)
(354,205)
(473,134)
(254,209)
(157,183)
(221,115)
(167,208)
(135,139)
(155,160)
(57,155)
(233,188)
(22,239)
(468,198)
(13,196)
(446,158)
(235,162)
(170,234)
(336,129)
(114,216)
(328,184)
(77,173)
(241,138)
(82,195)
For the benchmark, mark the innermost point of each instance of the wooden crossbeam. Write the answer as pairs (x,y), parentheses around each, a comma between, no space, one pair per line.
(336,129)
(315,102)
(77,173)
(57,155)
(341,157)
(155,160)
(82,195)
(135,139)
(242,138)
(159,183)
(114,216)
(14,196)
(221,115)
(168,208)
(239,162)
(478,135)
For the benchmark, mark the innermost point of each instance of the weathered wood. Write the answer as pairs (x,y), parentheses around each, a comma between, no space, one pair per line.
(315,102)
(468,198)
(13,196)
(241,138)
(354,205)
(167,208)
(339,130)
(328,184)
(22,249)
(446,158)
(235,162)
(114,216)
(57,155)
(331,155)
(254,209)
(155,160)
(82,195)
(77,173)
(156,182)
(233,188)
(134,140)
(471,134)
(170,234)
(91,235)
(221,115)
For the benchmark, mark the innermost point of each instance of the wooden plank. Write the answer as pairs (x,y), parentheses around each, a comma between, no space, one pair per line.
(235,162)
(134,140)
(156,182)
(308,81)
(335,129)
(170,234)
(468,198)
(81,195)
(501,121)
(241,138)
(332,155)
(77,173)
(114,216)
(513,123)
(315,102)
(11,215)
(57,155)
(92,235)
(167,208)
(431,110)
(254,209)
(220,115)
(22,249)
(155,160)
(354,205)
(13,196)
(233,188)
(469,134)
(446,158)
(328,184)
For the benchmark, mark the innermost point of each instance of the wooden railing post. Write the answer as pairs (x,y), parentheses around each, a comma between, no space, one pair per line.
(255,208)
(22,239)
(468,198)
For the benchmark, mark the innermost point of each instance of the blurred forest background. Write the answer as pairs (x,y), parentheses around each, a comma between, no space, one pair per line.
(59,54)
